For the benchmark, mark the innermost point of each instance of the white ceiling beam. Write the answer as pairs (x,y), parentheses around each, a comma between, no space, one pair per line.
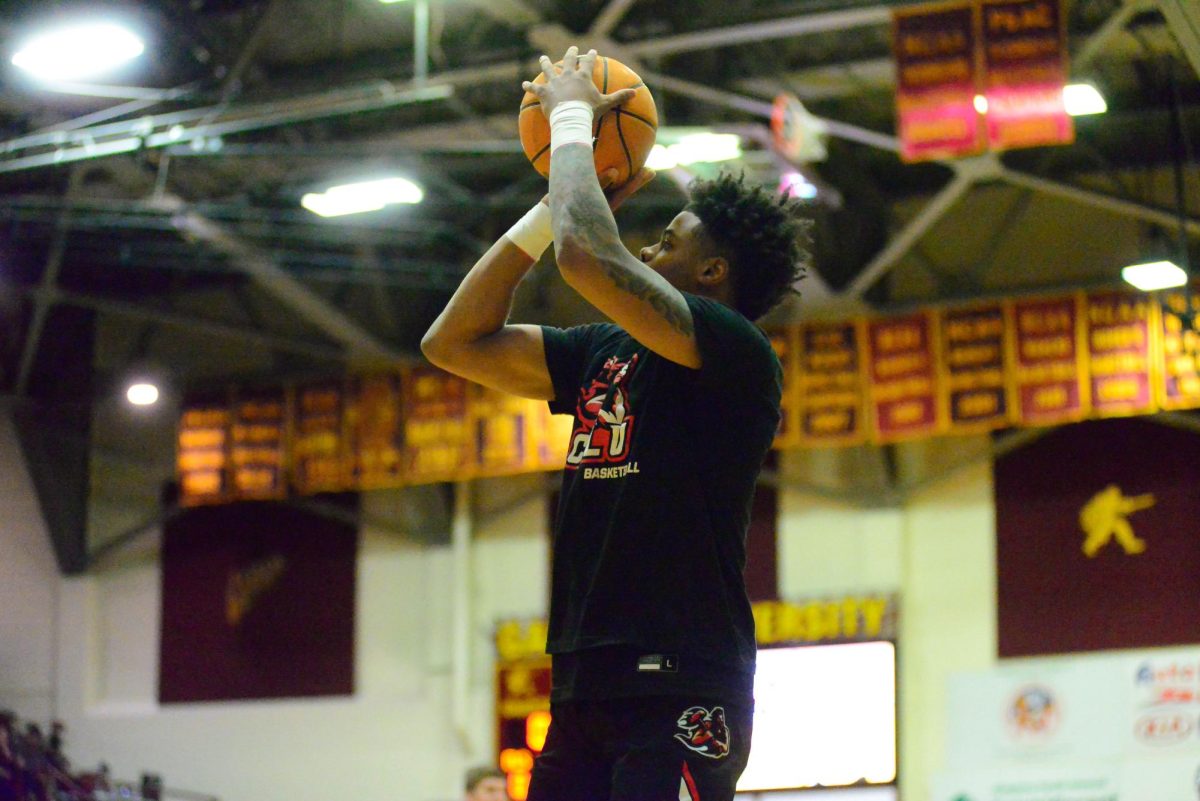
(767,30)
(1183,18)
(364,349)
(1100,200)
(899,245)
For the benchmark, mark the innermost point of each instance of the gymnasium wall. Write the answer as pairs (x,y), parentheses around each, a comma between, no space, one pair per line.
(28,587)
(394,738)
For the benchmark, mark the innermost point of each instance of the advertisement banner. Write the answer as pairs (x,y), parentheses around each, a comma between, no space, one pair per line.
(374,422)
(936,81)
(1120,328)
(1118,725)
(1048,381)
(1179,362)
(831,384)
(975,368)
(903,361)
(202,455)
(787,347)
(437,435)
(257,450)
(1025,69)
(320,456)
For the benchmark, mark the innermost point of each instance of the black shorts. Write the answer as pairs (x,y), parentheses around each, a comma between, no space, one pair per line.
(657,748)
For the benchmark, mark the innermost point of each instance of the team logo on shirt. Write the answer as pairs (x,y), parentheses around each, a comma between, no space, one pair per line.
(604,422)
(703,731)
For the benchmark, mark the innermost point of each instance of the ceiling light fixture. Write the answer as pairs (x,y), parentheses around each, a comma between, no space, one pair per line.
(695,148)
(1082,99)
(360,197)
(78,52)
(142,394)
(1154,275)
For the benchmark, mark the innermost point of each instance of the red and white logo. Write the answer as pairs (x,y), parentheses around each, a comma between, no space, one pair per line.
(1163,729)
(603,417)
(703,731)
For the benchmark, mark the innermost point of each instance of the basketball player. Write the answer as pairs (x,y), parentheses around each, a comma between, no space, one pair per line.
(676,404)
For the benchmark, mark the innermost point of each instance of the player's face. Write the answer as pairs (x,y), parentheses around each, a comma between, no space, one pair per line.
(490,789)
(679,252)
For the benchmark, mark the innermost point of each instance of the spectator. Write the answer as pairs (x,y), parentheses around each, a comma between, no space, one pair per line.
(486,783)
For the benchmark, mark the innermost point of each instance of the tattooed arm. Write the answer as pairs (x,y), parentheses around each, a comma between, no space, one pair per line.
(595,263)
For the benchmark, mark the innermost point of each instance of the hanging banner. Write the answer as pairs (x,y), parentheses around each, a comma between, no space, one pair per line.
(1025,69)
(202,456)
(257,450)
(1049,375)
(504,427)
(437,435)
(975,369)
(904,377)
(1179,359)
(320,452)
(831,384)
(1119,330)
(936,81)
(374,422)
(786,345)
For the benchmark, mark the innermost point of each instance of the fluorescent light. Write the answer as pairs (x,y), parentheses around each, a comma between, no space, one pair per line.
(1154,275)
(78,52)
(142,394)
(366,196)
(695,148)
(1081,99)
(981,104)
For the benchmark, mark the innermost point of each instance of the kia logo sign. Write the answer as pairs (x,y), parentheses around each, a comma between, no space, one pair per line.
(1163,729)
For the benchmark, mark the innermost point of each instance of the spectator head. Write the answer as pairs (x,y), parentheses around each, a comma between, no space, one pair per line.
(486,783)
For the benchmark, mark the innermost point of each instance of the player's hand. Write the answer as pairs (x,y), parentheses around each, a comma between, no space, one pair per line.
(618,195)
(574,82)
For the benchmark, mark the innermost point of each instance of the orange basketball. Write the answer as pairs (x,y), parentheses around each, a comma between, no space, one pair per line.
(623,135)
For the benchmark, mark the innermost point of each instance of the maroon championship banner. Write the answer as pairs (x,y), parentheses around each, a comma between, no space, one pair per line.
(1119,330)
(1179,365)
(786,345)
(257,451)
(1049,383)
(320,456)
(975,368)
(374,417)
(437,435)
(831,384)
(904,377)
(202,458)
(936,81)
(1096,542)
(257,603)
(1025,69)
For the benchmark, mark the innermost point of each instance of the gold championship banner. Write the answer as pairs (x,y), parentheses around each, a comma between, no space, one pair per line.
(1027,362)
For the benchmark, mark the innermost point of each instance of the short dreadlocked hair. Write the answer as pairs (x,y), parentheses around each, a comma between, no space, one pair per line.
(761,236)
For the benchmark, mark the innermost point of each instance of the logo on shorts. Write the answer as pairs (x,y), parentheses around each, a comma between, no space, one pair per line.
(704,732)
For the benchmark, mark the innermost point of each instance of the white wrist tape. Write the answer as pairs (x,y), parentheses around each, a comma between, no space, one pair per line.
(534,232)
(570,121)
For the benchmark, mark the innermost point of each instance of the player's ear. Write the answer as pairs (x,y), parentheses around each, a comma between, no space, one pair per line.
(713,271)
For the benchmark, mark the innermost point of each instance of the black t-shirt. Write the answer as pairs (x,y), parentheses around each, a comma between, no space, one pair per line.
(649,542)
